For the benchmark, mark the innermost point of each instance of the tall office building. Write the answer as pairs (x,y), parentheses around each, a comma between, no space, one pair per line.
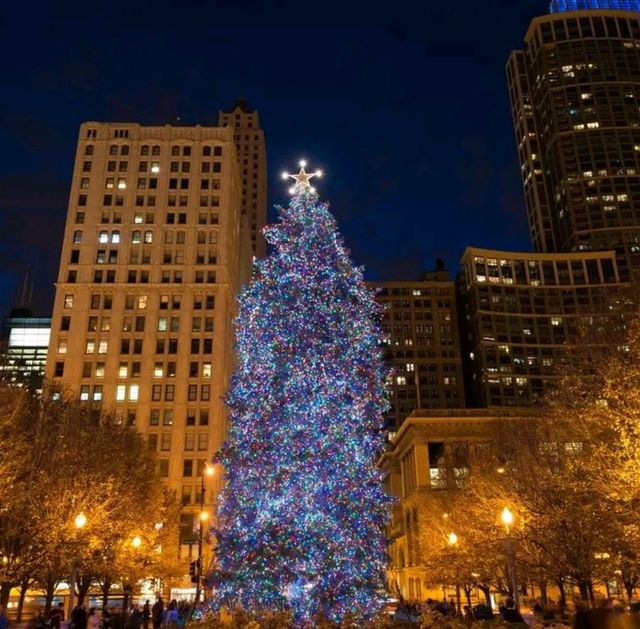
(252,160)
(575,96)
(422,344)
(145,294)
(24,341)
(518,310)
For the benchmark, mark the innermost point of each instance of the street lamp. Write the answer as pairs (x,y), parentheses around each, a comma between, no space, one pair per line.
(136,542)
(207,472)
(452,540)
(79,522)
(507,519)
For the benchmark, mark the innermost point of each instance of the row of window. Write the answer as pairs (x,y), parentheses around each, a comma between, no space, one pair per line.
(192,441)
(139,302)
(142,277)
(154,150)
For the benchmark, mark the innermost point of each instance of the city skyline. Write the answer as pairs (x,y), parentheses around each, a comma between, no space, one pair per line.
(455,185)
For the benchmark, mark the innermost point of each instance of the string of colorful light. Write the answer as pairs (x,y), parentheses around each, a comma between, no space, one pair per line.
(302,515)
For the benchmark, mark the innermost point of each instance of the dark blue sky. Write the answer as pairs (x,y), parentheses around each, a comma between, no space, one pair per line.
(404,105)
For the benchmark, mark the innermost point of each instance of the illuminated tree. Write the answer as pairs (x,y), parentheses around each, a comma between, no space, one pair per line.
(301,518)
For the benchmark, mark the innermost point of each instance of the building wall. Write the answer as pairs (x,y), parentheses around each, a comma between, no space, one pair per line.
(252,160)
(575,94)
(144,301)
(519,310)
(411,467)
(422,342)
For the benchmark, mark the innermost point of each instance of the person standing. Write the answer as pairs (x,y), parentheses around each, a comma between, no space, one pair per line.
(134,619)
(93,622)
(4,620)
(146,614)
(157,611)
(56,616)
(79,616)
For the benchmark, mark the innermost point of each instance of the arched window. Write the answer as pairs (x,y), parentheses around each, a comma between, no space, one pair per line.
(77,237)
(115,237)
(148,237)
(103,237)
(136,237)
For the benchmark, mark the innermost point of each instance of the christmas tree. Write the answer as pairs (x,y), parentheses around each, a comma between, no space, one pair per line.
(302,515)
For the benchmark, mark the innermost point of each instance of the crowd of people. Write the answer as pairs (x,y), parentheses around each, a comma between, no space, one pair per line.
(603,614)
(173,615)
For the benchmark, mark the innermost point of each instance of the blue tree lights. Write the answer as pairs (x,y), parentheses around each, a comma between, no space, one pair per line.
(302,515)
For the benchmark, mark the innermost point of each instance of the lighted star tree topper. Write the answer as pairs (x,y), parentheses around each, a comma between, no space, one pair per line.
(302,514)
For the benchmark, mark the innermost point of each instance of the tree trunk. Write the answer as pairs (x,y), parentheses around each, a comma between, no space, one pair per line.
(486,590)
(592,598)
(583,587)
(467,593)
(84,583)
(543,592)
(563,596)
(105,586)
(630,589)
(49,593)
(24,586)
(126,594)
(5,591)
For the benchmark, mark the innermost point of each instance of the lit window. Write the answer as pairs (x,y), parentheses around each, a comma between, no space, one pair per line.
(148,237)
(158,370)
(556,321)
(137,218)
(123,370)
(162,324)
(68,301)
(77,237)
(109,183)
(102,347)
(97,393)
(134,390)
(90,347)
(401,380)
(121,393)
(103,237)
(206,370)
(136,237)
(84,393)
(122,183)
(411,367)
(99,370)
(115,237)
(142,302)
(62,346)
(155,167)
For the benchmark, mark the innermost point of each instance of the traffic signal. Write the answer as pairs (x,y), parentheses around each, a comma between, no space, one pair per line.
(194,570)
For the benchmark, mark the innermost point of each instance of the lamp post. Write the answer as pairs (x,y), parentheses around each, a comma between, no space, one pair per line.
(507,519)
(79,522)
(203,518)
(452,540)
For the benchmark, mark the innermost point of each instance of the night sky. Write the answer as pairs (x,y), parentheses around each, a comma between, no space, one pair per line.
(403,105)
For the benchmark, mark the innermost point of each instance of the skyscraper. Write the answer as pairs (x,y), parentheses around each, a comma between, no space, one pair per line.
(150,266)
(252,160)
(575,96)
(422,344)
